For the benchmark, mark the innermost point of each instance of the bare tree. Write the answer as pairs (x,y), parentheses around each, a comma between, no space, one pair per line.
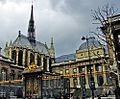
(103,17)
(106,17)
(102,14)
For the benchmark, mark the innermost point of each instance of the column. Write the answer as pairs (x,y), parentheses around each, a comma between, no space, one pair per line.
(95,76)
(17,51)
(78,78)
(104,75)
(36,58)
(71,82)
(23,60)
(86,77)
(42,60)
(24,87)
(48,65)
(28,58)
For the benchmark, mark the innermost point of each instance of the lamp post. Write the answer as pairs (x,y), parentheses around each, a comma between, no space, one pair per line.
(83,87)
(92,83)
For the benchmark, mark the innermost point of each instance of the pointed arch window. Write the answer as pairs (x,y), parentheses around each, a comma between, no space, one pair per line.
(75,82)
(38,60)
(32,58)
(20,57)
(45,63)
(26,58)
(14,55)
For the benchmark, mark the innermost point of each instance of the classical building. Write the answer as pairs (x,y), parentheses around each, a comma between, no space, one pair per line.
(76,67)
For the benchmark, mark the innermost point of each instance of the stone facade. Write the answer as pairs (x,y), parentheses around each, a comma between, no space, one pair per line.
(78,70)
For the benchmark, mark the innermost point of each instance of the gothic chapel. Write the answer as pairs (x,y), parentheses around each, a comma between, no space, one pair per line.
(26,50)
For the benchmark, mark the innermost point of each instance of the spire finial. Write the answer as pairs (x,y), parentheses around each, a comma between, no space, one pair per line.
(19,33)
(31,28)
(52,49)
(31,18)
(52,46)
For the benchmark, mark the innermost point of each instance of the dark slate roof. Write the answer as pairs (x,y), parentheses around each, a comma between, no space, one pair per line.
(91,43)
(65,58)
(40,47)
(22,41)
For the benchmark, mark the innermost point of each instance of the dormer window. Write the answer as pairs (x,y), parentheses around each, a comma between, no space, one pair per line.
(81,54)
(74,70)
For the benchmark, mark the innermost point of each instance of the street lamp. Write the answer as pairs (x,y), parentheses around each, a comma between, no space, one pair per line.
(92,83)
(83,87)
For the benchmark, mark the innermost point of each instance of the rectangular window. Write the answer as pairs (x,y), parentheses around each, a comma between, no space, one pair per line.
(82,81)
(98,68)
(12,74)
(89,67)
(81,69)
(75,82)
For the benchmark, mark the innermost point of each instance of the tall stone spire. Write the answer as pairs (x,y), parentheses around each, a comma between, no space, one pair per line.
(31,28)
(52,45)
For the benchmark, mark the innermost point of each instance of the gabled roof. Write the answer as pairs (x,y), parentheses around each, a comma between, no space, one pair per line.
(22,41)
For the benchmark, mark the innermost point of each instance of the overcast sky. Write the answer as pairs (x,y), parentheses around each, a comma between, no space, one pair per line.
(64,20)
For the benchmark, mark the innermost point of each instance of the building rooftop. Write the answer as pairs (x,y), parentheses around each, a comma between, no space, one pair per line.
(22,41)
(92,43)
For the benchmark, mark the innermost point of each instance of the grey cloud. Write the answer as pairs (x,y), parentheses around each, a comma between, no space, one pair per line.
(65,20)
(15,1)
(79,7)
(3,1)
